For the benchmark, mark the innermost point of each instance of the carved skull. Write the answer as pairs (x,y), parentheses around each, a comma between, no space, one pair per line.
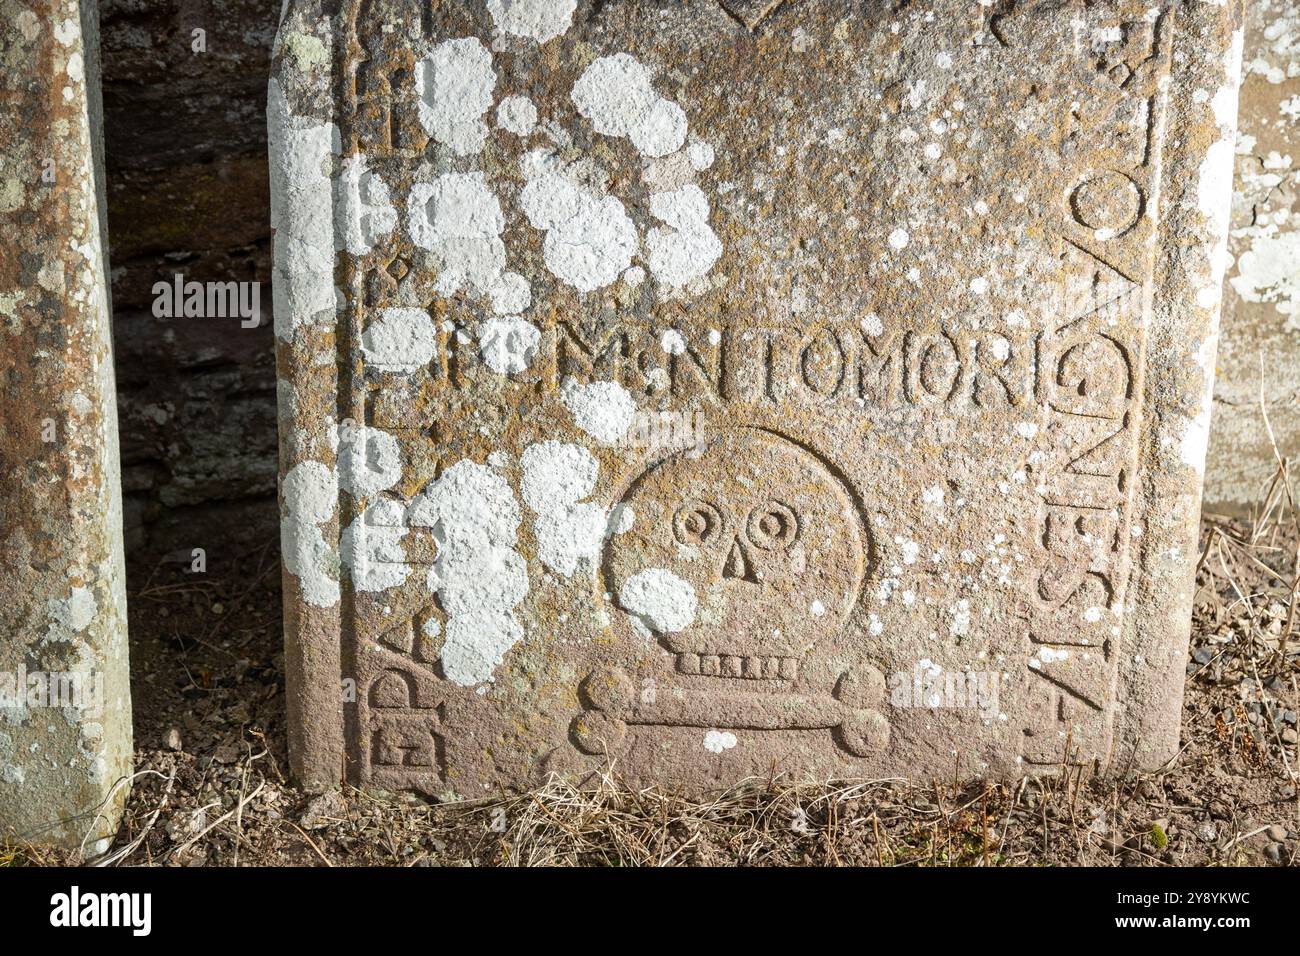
(758,542)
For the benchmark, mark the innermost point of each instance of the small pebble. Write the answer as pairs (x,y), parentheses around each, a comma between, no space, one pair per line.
(172,739)
(1276,833)
(323,809)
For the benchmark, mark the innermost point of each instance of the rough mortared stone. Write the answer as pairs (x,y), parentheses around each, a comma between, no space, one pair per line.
(65,710)
(699,386)
(185,148)
(1259,358)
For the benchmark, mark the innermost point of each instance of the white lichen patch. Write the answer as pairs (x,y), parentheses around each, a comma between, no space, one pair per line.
(454,84)
(569,532)
(959,618)
(616,95)
(458,218)
(511,294)
(687,249)
(909,548)
(570,538)
(71,615)
(400,340)
(365,212)
(508,345)
(369,460)
(1196,436)
(302,215)
(540,20)
(661,600)
(1214,185)
(673,342)
(517,114)
(1269,271)
(621,519)
(310,492)
(590,240)
(371,547)
(557,473)
(716,741)
(477,641)
(604,410)
(478,576)
(67,31)
(701,156)
(1051,655)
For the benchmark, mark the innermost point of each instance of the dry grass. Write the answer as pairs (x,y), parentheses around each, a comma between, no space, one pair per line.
(875,822)
(1066,819)
(1071,818)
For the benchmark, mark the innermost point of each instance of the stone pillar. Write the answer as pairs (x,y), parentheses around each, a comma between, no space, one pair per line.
(720,387)
(65,723)
(1259,356)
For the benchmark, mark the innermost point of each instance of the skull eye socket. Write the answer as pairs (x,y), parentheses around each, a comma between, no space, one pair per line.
(697,522)
(772,526)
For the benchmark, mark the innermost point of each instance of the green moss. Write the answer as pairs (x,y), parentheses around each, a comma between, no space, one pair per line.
(1158,837)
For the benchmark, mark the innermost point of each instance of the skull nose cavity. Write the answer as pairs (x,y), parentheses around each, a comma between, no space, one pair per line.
(738,564)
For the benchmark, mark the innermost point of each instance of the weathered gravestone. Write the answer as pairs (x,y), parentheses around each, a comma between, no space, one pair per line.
(65,712)
(721,388)
(1258,384)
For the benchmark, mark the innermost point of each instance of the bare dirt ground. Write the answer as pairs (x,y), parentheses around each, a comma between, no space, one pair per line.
(212,787)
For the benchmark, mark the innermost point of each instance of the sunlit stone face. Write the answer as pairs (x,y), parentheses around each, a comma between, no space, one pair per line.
(925,282)
(766,536)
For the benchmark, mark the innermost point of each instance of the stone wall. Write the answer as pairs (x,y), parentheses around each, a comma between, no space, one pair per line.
(187,193)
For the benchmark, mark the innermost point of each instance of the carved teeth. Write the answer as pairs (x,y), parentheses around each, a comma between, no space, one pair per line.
(752,667)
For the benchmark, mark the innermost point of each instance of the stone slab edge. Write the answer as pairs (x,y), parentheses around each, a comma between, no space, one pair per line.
(64,774)
(1194,213)
(1195,206)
